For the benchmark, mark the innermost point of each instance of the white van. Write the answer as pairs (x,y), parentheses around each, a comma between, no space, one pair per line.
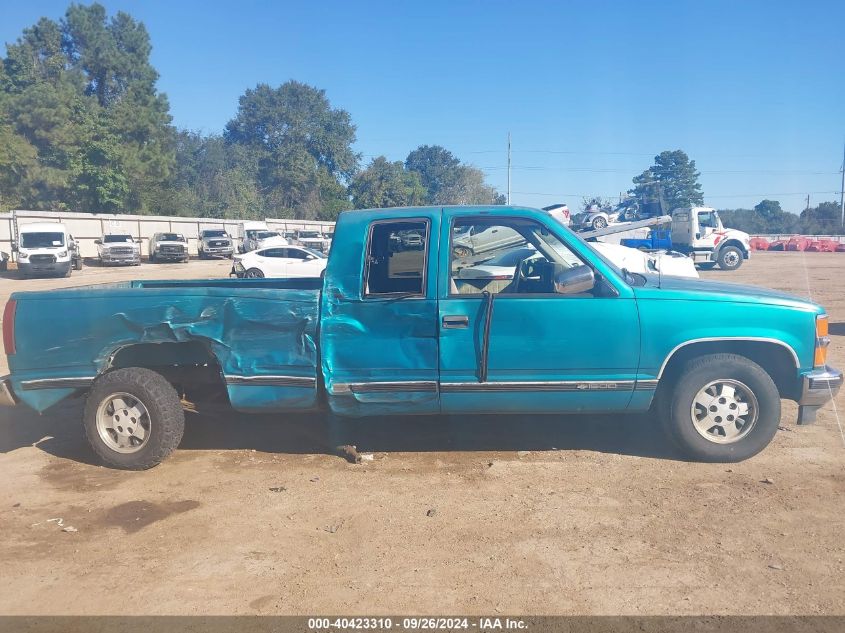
(46,248)
(248,234)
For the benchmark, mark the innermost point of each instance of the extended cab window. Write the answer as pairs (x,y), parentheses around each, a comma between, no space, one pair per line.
(506,256)
(396,258)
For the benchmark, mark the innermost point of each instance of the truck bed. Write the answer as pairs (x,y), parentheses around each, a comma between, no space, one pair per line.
(259,333)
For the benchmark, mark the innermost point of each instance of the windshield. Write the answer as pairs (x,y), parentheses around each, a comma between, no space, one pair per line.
(171,237)
(309,234)
(214,234)
(112,239)
(263,235)
(42,240)
(595,251)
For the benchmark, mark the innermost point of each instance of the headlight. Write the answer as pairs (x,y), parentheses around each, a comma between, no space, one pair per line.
(61,254)
(22,254)
(239,266)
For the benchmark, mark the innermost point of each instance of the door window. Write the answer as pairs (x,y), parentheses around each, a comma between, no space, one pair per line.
(506,256)
(395,260)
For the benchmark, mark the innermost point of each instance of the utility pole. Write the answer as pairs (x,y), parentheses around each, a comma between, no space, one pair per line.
(807,209)
(509,167)
(842,188)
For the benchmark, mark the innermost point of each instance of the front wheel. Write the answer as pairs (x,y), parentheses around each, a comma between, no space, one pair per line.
(254,273)
(599,223)
(133,418)
(730,258)
(723,408)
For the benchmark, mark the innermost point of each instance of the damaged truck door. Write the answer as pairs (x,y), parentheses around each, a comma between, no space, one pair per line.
(412,317)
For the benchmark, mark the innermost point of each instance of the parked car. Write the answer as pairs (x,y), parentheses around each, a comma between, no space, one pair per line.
(312,239)
(484,238)
(215,243)
(656,240)
(401,333)
(502,266)
(265,239)
(561,213)
(280,262)
(168,247)
(118,249)
(46,248)
(247,231)
(778,245)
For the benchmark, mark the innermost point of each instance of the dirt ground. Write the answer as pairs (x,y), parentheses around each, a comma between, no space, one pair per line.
(511,515)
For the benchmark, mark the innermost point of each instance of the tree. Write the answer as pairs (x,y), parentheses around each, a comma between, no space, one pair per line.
(301,144)
(824,219)
(386,184)
(447,181)
(674,177)
(82,93)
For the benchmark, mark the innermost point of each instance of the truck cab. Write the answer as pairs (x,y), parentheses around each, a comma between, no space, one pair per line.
(248,234)
(699,232)
(46,248)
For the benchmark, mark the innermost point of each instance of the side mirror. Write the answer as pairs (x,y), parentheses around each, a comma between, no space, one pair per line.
(98,241)
(575,280)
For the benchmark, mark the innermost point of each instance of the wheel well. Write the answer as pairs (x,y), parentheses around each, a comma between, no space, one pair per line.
(733,242)
(191,367)
(777,360)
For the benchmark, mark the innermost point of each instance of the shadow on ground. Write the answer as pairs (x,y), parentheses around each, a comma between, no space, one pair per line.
(60,433)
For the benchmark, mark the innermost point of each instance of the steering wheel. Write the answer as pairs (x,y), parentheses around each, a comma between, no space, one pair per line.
(519,276)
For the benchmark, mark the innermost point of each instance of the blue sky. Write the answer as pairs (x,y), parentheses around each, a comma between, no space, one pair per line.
(590,91)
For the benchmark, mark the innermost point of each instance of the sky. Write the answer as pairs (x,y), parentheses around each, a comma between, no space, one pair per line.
(590,91)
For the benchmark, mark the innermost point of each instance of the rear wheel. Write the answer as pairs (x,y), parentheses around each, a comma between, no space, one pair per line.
(133,418)
(254,273)
(599,223)
(723,408)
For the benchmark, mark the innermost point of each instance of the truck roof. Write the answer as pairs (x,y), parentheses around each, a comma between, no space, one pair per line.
(410,212)
(39,227)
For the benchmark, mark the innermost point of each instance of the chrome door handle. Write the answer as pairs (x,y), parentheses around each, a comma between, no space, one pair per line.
(455,321)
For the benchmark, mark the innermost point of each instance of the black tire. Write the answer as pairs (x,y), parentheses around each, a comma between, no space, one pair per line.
(599,223)
(675,405)
(69,270)
(707,265)
(164,408)
(254,273)
(730,258)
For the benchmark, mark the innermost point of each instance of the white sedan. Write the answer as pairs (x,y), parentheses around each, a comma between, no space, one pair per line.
(667,263)
(280,261)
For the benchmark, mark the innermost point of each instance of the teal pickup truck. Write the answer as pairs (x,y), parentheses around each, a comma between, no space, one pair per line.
(538,322)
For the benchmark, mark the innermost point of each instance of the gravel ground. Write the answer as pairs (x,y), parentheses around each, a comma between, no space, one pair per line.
(548,515)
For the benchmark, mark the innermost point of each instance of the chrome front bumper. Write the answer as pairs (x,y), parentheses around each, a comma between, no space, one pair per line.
(818,387)
(7,396)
